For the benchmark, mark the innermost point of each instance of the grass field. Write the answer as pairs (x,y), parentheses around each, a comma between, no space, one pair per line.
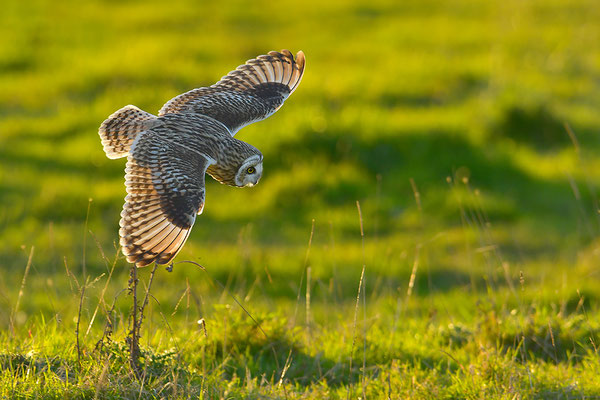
(466,131)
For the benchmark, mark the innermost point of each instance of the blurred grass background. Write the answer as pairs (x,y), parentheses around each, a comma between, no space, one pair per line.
(468,132)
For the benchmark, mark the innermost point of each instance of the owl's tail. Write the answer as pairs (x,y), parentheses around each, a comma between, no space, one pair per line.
(119,130)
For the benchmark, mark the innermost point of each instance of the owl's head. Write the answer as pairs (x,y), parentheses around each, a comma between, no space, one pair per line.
(250,171)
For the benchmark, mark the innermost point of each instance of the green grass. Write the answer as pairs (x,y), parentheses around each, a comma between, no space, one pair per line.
(448,121)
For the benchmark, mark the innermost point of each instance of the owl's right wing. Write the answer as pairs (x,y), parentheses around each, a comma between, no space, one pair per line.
(165,192)
(250,93)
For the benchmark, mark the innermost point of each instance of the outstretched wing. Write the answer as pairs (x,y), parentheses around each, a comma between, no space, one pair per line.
(165,186)
(247,94)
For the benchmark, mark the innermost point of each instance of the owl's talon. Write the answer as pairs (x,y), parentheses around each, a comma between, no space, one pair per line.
(169,267)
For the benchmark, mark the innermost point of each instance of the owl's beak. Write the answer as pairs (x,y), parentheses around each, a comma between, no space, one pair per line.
(250,184)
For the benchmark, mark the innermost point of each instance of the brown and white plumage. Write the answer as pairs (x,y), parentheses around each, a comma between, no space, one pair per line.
(168,155)
(250,93)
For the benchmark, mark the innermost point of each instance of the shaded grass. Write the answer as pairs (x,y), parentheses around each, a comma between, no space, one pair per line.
(233,357)
(465,103)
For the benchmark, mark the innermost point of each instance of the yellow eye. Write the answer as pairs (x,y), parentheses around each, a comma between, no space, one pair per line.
(251,170)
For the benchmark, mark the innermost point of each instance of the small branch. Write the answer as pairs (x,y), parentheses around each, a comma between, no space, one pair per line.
(134,333)
(137,319)
(82,294)
(145,303)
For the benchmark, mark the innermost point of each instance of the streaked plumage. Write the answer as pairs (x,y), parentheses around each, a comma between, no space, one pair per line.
(169,154)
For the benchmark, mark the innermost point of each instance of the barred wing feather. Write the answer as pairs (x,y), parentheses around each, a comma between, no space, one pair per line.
(250,93)
(165,192)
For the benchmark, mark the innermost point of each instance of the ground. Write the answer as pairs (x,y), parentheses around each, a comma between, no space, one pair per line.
(444,152)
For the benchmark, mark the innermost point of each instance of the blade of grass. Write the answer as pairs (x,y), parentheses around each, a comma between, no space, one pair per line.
(21,291)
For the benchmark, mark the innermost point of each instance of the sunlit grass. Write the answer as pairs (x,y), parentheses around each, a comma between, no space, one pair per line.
(447,121)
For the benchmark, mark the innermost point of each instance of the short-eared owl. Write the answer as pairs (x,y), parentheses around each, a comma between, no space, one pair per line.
(169,154)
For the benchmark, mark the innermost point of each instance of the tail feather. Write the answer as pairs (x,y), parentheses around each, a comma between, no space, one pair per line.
(119,130)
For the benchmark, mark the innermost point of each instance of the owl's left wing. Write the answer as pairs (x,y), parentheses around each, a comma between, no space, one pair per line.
(165,192)
(250,93)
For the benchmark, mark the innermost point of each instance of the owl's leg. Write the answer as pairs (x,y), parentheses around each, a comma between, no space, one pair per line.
(169,267)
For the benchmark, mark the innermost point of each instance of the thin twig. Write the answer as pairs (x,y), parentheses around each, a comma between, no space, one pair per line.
(105,285)
(360,289)
(364,300)
(286,366)
(312,231)
(21,291)
(573,138)
(108,327)
(85,229)
(413,274)
(82,293)
(134,347)
(308,271)
(147,294)
(137,319)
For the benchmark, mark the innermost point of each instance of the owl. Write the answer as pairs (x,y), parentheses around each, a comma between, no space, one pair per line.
(169,155)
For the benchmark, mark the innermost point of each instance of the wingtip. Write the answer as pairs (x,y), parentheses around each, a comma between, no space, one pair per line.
(300,60)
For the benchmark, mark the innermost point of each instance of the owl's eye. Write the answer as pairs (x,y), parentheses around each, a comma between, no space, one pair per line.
(251,170)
